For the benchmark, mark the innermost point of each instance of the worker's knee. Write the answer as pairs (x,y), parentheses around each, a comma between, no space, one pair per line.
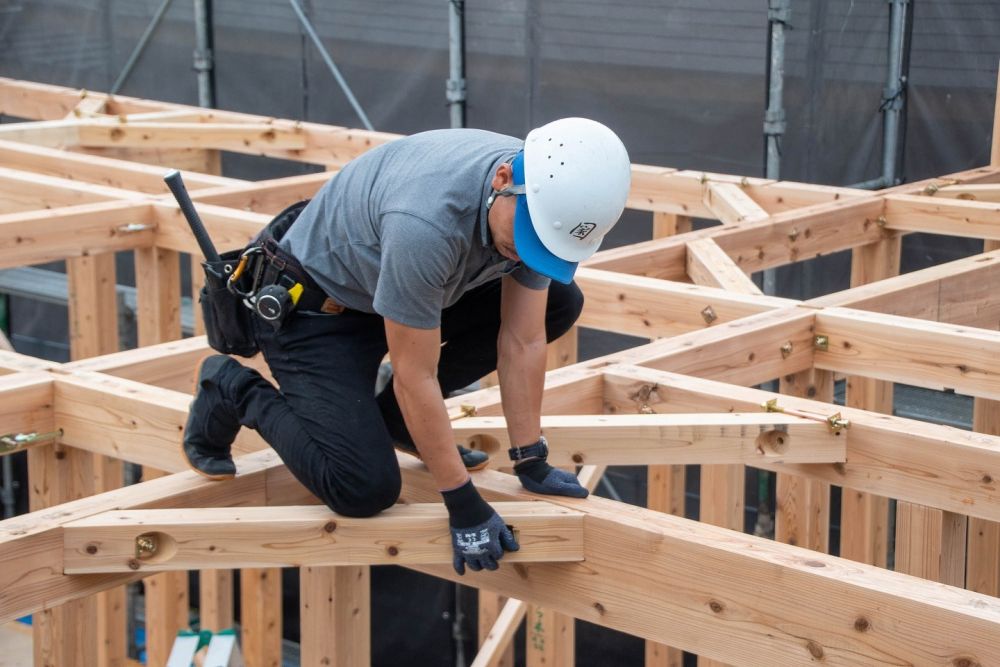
(564,308)
(367,496)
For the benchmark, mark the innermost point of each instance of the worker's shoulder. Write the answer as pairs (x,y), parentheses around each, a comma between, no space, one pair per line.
(455,139)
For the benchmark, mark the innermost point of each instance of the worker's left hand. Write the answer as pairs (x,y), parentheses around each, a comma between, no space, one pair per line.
(538,476)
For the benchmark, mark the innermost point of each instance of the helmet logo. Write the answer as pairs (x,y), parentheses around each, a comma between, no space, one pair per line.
(583,230)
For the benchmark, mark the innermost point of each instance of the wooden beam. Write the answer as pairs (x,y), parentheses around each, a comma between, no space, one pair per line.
(944,467)
(749,351)
(708,265)
(166,365)
(783,238)
(244,137)
(31,575)
(103,171)
(645,439)
(261,616)
(50,133)
(26,191)
(731,205)
(698,585)
(958,292)
(802,515)
(335,618)
(925,354)
(651,308)
(63,634)
(952,217)
(985,192)
(269,197)
(26,403)
(50,235)
(230,229)
(128,420)
(299,536)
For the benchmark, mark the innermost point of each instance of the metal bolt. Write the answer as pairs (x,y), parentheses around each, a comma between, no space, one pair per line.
(772,406)
(708,314)
(145,546)
(881,221)
(786,349)
(132,227)
(821,342)
(794,234)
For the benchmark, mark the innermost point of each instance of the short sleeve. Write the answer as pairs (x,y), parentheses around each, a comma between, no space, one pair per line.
(417,261)
(529,278)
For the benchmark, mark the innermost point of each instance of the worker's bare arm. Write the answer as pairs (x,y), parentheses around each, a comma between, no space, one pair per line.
(521,359)
(415,354)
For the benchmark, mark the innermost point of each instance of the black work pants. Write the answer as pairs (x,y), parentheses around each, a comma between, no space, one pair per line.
(325,422)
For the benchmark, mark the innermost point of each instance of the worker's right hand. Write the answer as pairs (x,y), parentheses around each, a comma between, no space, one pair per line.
(479,537)
(481,546)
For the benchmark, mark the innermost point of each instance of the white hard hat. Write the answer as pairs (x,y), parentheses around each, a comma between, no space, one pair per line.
(576,175)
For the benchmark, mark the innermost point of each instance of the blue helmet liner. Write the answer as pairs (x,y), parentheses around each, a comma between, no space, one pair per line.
(529,247)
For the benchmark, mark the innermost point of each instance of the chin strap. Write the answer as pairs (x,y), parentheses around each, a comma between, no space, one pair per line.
(509,191)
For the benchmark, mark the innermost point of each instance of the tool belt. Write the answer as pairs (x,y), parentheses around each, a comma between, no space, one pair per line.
(262,280)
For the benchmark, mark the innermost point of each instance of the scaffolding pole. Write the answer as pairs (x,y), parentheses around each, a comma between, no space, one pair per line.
(893,106)
(140,46)
(204,58)
(455,86)
(332,66)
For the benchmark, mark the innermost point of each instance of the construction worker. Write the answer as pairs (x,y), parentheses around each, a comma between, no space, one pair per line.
(453,250)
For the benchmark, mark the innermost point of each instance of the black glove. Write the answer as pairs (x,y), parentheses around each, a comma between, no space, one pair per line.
(538,476)
(479,536)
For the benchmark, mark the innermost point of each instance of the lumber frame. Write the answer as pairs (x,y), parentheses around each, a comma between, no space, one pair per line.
(718,338)
(296,536)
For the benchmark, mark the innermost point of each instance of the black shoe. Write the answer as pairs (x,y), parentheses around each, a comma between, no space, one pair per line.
(473,459)
(212,422)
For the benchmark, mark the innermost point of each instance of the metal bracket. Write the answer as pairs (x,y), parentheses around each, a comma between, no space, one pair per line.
(708,314)
(821,342)
(12,442)
(780,11)
(203,60)
(835,421)
(774,122)
(467,410)
(786,349)
(455,90)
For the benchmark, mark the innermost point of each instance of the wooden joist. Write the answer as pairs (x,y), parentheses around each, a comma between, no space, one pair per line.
(701,586)
(245,137)
(924,354)
(645,439)
(49,235)
(298,536)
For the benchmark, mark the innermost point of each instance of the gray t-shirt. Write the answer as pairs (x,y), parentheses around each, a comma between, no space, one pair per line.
(401,231)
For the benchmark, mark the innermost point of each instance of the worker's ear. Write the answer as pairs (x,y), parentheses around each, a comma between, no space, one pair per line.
(503,178)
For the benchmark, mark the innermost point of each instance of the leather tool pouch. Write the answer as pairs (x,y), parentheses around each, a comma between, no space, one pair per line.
(227,319)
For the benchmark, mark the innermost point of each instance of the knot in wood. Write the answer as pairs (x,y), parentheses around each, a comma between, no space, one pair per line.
(862,624)
(578,458)
(91,549)
(599,608)
(716,606)
(133,564)
(815,650)
(330,526)
(966,662)
(392,551)
(987,479)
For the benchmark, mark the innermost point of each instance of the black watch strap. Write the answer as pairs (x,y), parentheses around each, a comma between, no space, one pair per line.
(539,449)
